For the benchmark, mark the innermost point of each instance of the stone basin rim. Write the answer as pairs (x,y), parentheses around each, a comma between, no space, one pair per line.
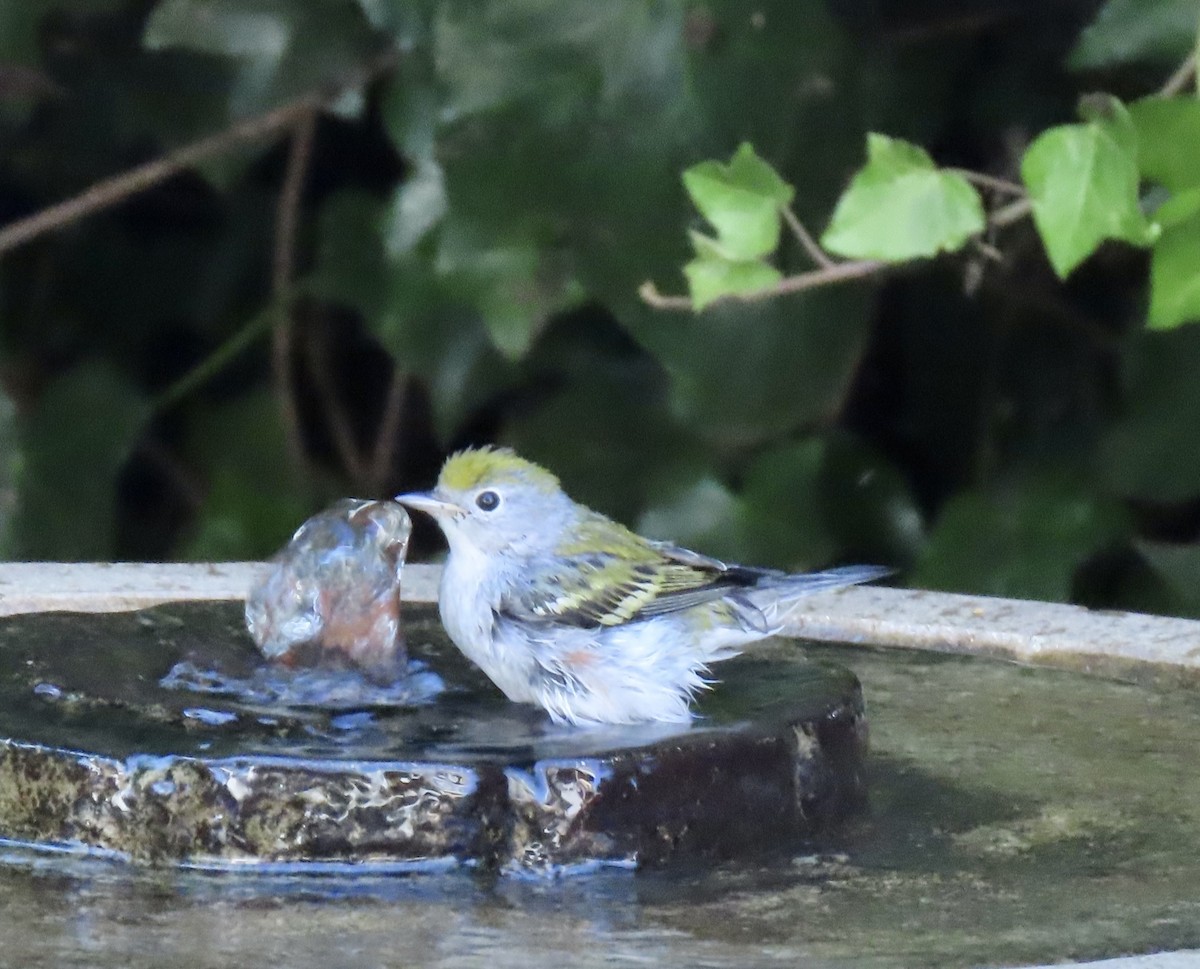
(1044,633)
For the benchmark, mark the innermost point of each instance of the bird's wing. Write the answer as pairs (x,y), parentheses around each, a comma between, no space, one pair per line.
(608,576)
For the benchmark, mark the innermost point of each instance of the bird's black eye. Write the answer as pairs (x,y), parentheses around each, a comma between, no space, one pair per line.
(488,500)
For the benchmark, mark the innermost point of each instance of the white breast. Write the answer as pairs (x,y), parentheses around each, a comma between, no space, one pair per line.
(467,599)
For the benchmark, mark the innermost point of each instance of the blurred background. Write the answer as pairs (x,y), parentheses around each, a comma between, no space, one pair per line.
(311,247)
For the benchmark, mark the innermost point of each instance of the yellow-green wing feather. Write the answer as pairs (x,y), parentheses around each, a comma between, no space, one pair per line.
(607,575)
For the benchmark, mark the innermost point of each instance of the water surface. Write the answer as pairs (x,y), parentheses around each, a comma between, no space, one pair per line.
(1016,815)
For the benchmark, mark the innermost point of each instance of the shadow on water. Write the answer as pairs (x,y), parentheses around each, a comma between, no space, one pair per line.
(1015,815)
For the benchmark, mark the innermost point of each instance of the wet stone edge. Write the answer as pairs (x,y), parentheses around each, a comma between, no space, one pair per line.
(701,794)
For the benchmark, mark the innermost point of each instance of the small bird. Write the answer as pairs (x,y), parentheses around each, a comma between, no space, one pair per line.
(569,610)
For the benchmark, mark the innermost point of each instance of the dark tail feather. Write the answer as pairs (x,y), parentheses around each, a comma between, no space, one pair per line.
(832,578)
(762,607)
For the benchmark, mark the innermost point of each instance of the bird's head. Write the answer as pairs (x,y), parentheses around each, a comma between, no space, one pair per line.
(491,500)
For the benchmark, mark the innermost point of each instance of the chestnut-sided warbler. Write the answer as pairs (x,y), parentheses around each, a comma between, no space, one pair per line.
(567,609)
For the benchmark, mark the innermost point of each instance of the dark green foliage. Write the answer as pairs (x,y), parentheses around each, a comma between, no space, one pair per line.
(489,185)
(72,450)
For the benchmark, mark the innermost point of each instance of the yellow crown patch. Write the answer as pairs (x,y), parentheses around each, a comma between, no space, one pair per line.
(474,467)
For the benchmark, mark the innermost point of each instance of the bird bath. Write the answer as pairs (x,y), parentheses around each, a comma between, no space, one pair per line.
(1016,814)
(163,736)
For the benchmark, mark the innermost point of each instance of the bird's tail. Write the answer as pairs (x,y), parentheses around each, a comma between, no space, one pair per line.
(806,582)
(775,593)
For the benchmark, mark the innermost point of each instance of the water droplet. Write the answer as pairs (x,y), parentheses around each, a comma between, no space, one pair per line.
(214,718)
(352,721)
(336,585)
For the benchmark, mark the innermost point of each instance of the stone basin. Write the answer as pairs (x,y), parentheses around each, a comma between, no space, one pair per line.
(161,736)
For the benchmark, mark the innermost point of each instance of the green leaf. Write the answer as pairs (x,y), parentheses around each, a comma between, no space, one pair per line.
(254,498)
(1083,183)
(1168,133)
(1159,31)
(1111,114)
(794,357)
(385,14)
(417,206)
(595,388)
(226,27)
(868,504)
(1175,263)
(20,24)
(350,266)
(703,516)
(75,444)
(711,277)
(432,332)
(783,514)
(513,283)
(510,301)
(366,260)
(1024,540)
(1179,209)
(1179,568)
(556,54)
(411,109)
(742,201)
(282,48)
(1151,453)
(436,312)
(827,498)
(899,206)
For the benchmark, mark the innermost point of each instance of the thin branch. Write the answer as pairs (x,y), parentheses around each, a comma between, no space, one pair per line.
(112,191)
(335,415)
(653,298)
(984,180)
(807,242)
(216,361)
(1013,212)
(287,209)
(837,273)
(1179,80)
(287,217)
(389,431)
(987,250)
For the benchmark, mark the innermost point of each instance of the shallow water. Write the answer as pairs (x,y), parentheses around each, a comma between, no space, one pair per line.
(1016,815)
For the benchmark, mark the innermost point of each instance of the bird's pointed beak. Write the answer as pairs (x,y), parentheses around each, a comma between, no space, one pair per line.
(436,507)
